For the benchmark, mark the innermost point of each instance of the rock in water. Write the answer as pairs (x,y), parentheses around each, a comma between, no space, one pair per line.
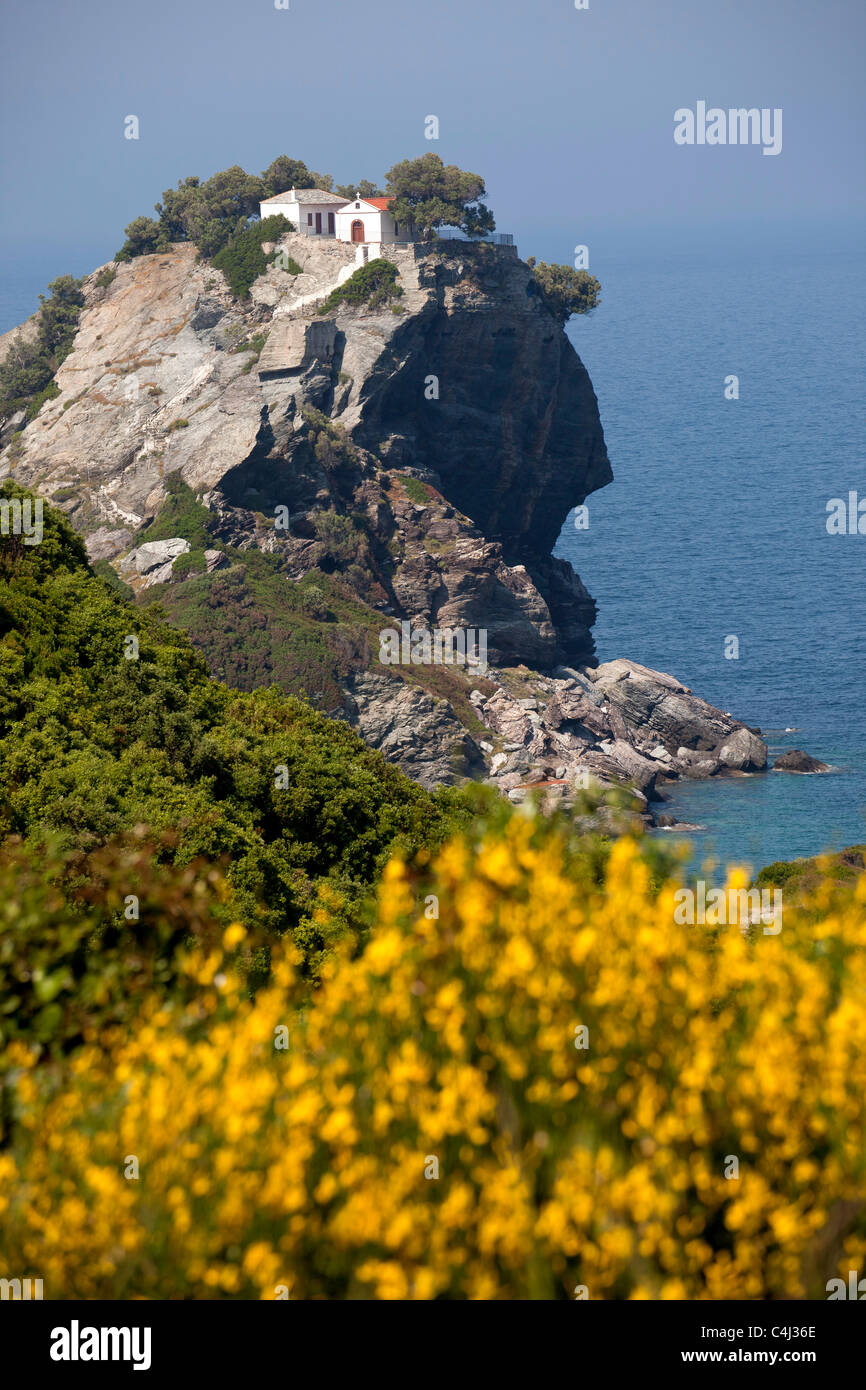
(743,752)
(798,761)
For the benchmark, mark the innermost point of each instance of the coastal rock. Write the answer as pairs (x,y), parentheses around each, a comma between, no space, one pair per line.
(743,751)
(797,761)
(620,721)
(632,766)
(661,706)
(658,710)
(416,731)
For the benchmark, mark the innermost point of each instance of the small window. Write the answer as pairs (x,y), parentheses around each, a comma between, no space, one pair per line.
(396,228)
(309,219)
(331,224)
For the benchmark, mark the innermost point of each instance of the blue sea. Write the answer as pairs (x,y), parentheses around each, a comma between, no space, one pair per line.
(715,524)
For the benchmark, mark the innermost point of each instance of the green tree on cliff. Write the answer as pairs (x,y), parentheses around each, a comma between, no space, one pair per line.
(210,213)
(27,370)
(144,236)
(432,194)
(285,173)
(363,186)
(565,291)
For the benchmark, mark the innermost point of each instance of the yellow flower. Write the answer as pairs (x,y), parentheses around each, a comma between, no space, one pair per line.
(234,935)
(432,1131)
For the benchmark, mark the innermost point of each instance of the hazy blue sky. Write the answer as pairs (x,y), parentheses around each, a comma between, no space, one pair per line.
(567,114)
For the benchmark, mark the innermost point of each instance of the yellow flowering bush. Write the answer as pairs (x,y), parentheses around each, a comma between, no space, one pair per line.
(549,1089)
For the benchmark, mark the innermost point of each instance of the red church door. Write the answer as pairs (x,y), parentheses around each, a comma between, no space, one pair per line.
(357,231)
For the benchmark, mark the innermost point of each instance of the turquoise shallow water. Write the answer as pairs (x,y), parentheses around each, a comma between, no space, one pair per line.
(715,524)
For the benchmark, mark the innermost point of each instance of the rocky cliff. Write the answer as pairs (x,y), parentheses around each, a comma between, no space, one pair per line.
(288,482)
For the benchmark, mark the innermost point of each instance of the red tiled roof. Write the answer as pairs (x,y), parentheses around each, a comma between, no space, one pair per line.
(378,202)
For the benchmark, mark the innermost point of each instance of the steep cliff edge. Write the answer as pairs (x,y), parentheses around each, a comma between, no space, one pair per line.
(289,482)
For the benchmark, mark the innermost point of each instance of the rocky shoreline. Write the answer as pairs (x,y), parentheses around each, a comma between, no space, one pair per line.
(558,733)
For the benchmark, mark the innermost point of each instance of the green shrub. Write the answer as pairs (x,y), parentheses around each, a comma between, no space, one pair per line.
(182,515)
(254,343)
(256,626)
(255,346)
(373,284)
(144,237)
(72,959)
(50,393)
(211,213)
(242,260)
(106,277)
(179,424)
(112,580)
(414,489)
(192,562)
(333,449)
(313,600)
(342,539)
(27,370)
(801,876)
(431,194)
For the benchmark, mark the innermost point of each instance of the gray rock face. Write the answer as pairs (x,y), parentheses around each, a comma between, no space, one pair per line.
(413,729)
(795,760)
(743,751)
(152,562)
(104,543)
(138,368)
(154,386)
(207,314)
(515,435)
(294,344)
